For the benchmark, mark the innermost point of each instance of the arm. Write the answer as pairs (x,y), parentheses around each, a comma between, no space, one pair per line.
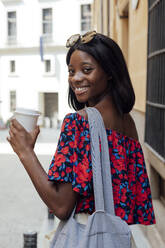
(59,197)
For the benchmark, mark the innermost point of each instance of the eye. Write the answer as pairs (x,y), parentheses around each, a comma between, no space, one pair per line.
(87,70)
(70,71)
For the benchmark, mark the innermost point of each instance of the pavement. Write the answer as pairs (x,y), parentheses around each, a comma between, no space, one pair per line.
(21,208)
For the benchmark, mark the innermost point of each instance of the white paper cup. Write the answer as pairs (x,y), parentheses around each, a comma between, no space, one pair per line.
(27,118)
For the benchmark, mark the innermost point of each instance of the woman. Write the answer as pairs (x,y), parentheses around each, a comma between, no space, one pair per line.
(98,77)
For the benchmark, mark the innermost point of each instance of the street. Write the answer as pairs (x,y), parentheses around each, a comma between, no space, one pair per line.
(21,208)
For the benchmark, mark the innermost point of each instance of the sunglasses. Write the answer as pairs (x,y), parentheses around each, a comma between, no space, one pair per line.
(87,37)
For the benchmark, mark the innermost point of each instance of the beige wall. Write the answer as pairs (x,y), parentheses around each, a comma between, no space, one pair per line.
(138,28)
(128,28)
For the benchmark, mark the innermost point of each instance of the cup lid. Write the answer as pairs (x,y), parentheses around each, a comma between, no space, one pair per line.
(27,111)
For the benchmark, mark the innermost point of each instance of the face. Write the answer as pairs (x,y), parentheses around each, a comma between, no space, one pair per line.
(86,78)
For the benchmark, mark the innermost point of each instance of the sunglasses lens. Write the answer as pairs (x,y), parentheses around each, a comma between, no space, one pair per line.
(72,40)
(88,36)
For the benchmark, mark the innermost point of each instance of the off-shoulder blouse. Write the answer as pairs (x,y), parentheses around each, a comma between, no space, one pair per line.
(72,163)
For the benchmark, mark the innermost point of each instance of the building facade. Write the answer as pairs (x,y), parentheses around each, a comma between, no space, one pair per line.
(138,27)
(33,72)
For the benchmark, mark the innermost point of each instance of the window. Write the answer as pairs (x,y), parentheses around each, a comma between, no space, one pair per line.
(47,23)
(155,107)
(12,66)
(12,32)
(12,101)
(85,18)
(47,65)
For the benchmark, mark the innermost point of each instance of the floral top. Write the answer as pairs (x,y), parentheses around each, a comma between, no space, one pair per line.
(72,163)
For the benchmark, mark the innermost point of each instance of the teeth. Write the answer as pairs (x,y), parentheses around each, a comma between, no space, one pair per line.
(81,88)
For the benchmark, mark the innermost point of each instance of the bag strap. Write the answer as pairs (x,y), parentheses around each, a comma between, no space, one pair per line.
(102,181)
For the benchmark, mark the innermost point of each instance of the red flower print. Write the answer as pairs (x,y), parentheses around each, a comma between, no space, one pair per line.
(56,174)
(68,170)
(59,159)
(62,143)
(82,138)
(87,148)
(67,120)
(80,146)
(69,127)
(54,168)
(65,150)
(74,157)
(123,195)
(120,212)
(62,173)
(71,144)
(50,173)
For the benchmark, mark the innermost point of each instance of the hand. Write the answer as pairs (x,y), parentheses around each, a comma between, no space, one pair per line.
(21,140)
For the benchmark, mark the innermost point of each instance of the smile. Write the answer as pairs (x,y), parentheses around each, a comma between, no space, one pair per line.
(82,90)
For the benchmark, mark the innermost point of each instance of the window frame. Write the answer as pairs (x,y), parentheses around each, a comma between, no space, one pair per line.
(49,22)
(87,20)
(50,73)
(12,109)
(11,20)
(46,65)
(10,66)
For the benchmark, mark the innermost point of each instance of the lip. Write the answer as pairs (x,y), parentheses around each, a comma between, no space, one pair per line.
(81,90)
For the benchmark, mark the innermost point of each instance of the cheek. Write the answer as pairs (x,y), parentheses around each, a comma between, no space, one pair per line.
(69,81)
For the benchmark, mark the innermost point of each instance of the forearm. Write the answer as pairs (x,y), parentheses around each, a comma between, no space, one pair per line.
(46,189)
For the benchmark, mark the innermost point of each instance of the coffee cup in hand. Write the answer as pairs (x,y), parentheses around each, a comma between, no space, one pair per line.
(27,118)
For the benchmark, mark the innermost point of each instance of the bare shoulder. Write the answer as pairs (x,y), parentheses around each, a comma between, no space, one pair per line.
(83,113)
(130,127)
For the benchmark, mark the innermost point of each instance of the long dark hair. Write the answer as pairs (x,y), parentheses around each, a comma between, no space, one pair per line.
(109,55)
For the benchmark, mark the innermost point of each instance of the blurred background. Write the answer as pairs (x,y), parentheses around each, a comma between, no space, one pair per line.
(33,74)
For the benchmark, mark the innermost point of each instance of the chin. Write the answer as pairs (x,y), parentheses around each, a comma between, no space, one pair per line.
(80,100)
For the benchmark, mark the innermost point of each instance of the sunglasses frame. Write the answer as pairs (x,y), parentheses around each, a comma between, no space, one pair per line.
(85,38)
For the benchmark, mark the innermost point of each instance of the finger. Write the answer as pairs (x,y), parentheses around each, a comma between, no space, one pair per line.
(10,142)
(8,139)
(35,132)
(17,125)
(13,130)
(11,134)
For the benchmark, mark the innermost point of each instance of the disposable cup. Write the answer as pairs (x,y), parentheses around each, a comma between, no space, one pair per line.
(27,118)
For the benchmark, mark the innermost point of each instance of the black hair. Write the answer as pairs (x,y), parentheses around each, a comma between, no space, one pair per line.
(110,57)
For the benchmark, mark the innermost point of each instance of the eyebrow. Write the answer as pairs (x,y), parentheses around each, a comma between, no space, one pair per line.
(84,63)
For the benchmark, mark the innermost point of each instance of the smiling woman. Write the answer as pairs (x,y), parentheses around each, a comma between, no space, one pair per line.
(98,77)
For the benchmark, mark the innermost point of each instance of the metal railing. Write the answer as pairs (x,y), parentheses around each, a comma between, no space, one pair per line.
(155,105)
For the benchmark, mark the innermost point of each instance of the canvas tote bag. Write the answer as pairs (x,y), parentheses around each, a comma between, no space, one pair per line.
(103,229)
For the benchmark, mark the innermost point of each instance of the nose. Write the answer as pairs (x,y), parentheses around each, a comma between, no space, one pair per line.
(77,77)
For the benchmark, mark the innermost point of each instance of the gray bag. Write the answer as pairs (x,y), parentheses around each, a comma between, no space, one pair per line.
(104,229)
